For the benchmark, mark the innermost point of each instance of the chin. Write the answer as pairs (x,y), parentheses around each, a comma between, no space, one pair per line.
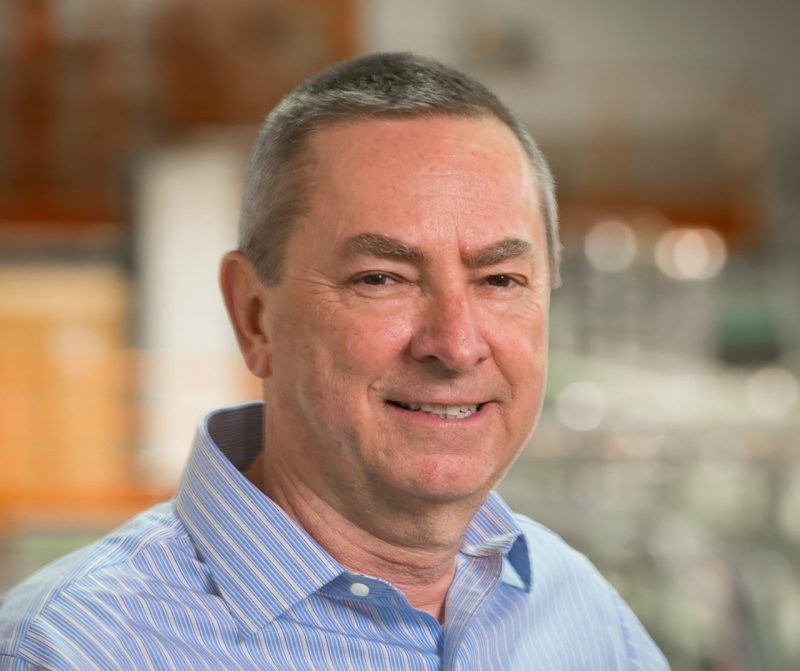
(449,480)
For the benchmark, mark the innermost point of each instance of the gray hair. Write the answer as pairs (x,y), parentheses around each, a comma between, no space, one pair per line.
(394,85)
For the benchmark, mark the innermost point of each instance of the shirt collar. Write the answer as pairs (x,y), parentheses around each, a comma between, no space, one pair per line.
(261,560)
(494,530)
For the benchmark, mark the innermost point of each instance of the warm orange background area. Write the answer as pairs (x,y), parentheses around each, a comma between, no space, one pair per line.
(75,116)
(66,398)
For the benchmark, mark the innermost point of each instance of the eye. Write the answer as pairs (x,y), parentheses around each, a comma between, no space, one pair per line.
(502,281)
(378,283)
(376,279)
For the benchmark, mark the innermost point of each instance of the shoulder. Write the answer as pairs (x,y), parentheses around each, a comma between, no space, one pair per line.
(572,587)
(562,575)
(76,606)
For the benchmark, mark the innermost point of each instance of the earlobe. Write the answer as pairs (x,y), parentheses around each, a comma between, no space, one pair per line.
(247,306)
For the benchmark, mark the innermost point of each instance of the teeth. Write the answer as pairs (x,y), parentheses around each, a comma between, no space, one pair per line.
(443,411)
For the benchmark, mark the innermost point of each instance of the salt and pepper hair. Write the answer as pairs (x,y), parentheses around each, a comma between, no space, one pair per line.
(384,85)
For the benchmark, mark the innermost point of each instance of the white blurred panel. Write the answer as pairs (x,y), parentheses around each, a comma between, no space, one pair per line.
(187,208)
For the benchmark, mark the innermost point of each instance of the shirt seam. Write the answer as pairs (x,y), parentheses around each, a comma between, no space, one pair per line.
(19,657)
(631,648)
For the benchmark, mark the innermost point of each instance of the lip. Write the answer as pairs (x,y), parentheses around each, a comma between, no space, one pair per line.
(424,417)
(395,401)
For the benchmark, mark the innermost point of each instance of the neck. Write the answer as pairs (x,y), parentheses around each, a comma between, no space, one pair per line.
(413,551)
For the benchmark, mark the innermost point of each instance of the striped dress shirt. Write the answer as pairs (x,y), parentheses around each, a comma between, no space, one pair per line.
(220,578)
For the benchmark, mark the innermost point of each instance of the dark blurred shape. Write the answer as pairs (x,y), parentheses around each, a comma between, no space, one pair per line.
(88,86)
(231,62)
(747,334)
(489,40)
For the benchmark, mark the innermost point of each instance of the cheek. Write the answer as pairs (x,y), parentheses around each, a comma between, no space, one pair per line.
(366,342)
(520,351)
(342,360)
(331,365)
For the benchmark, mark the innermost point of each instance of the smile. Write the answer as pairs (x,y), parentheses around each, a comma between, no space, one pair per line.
(438,410)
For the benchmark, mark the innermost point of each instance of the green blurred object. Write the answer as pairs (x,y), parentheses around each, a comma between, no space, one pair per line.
(747,332)
(22,555)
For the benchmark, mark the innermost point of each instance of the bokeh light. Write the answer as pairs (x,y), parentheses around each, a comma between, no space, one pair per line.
(582,405)
(691,254)
(772,392)
(610,246)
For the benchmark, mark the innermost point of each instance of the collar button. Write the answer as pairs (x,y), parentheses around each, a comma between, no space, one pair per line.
(359,589)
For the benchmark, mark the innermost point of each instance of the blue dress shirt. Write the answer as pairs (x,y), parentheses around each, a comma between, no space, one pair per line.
(221,578)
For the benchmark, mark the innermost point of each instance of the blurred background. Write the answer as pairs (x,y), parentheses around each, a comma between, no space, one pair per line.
(668,449)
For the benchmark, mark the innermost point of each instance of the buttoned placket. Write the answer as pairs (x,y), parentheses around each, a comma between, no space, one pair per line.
(469,590)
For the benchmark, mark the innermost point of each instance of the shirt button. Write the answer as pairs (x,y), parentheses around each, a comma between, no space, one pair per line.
(359,589)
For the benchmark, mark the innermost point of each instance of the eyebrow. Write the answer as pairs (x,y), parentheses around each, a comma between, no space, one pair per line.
(503,250)
(382,246)
(387,247)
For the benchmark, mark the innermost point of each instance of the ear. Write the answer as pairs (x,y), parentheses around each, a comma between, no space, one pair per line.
(247,305)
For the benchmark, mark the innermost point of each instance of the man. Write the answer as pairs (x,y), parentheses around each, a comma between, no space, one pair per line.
(398,247)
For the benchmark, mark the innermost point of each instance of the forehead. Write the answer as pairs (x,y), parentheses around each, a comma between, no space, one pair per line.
(422,175)
(411,143)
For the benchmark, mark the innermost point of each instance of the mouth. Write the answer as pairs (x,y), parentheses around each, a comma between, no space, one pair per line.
(439,410)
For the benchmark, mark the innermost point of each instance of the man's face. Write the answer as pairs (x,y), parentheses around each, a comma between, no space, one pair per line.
(408,335)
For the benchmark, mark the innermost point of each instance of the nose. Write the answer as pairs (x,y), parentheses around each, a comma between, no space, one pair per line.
(449,333)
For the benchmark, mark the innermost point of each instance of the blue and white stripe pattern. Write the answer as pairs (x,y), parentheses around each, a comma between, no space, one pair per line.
(220,578)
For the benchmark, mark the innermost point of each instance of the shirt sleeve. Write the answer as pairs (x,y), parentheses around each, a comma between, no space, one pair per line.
(643,653)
